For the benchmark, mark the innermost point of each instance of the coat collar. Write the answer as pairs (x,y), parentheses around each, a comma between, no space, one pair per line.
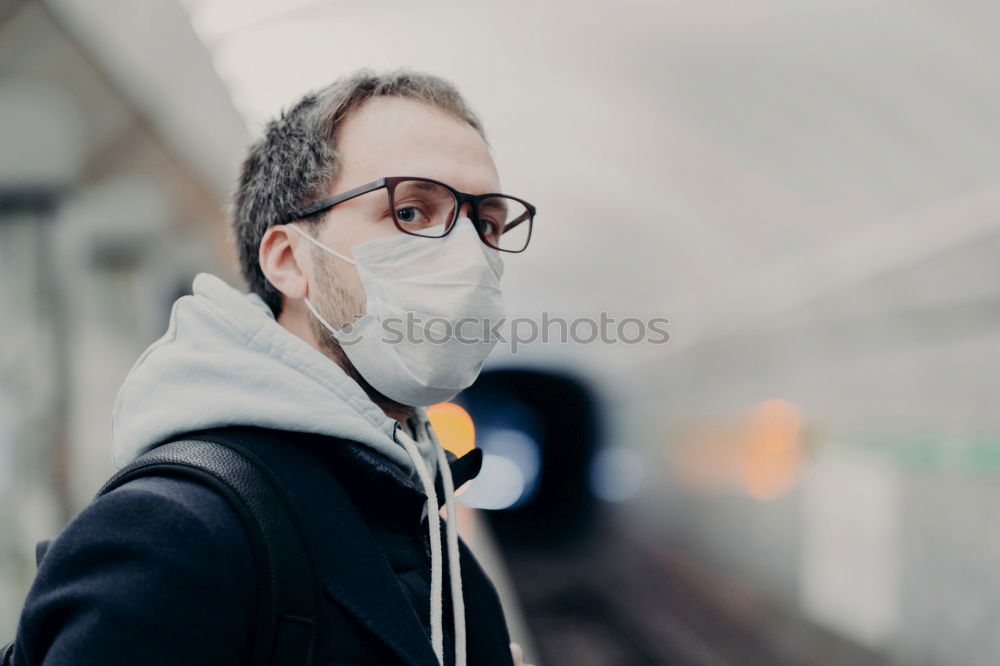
(371,592)
(385,491)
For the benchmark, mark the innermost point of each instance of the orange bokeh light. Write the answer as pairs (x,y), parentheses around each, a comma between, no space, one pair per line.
(453,427)
(773,449)
(758,452)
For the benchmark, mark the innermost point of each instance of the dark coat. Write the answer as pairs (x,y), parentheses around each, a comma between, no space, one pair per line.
(159,571)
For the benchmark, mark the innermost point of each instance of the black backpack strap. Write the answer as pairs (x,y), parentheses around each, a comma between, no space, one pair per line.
(40,548)
(288,601)
(7,651)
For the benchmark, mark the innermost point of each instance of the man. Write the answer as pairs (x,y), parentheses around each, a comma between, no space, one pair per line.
(373,260)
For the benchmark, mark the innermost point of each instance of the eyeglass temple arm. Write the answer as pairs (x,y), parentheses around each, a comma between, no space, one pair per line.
(320,206)
(516,221)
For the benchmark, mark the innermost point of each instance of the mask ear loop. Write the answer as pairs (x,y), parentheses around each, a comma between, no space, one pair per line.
(320,245)
(318,316)
(309,305)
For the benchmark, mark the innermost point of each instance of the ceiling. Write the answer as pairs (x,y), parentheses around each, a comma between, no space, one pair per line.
(750,170)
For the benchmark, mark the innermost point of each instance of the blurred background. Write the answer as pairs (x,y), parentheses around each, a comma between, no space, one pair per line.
(804,473)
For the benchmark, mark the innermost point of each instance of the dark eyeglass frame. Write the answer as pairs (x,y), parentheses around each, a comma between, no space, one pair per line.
(390,183)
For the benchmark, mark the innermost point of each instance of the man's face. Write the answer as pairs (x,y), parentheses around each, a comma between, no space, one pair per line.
(388,136)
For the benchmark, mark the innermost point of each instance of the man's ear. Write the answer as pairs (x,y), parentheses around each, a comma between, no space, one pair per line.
(283,262)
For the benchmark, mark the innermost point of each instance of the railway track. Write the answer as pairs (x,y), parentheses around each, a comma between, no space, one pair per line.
(606,599)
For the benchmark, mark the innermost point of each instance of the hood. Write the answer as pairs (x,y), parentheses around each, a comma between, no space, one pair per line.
(224,360)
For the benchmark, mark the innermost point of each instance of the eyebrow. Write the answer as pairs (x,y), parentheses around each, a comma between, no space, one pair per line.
(426,187)
(494,203)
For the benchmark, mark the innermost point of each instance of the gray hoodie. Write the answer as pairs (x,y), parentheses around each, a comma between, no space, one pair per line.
(224,360)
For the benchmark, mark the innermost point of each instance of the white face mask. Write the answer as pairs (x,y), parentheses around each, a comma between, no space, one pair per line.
(430,305)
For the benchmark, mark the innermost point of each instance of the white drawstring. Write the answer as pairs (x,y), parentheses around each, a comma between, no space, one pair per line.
(434,524)
(454,565)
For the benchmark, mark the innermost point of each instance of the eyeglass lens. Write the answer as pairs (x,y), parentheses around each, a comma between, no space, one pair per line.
(427,209)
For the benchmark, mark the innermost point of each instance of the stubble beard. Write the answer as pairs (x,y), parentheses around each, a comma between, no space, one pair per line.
(339,307)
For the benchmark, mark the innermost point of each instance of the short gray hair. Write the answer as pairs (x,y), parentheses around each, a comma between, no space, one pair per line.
(296,159)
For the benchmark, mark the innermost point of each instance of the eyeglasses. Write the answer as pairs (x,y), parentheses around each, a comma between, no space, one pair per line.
(429,208)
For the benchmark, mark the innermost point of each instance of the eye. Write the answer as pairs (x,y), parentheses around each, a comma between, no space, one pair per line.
(492,228)
(410,215)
